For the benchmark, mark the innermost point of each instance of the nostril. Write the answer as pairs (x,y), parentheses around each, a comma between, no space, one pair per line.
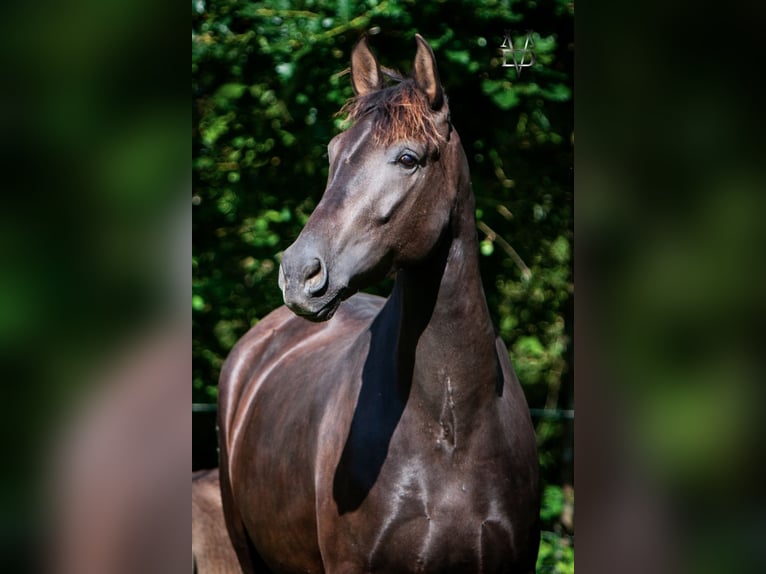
(316,277)
(313,270)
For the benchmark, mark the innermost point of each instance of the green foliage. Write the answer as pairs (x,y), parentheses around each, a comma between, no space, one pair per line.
(556,554)
(267,80)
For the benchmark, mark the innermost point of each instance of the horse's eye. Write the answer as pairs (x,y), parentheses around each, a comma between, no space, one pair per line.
(407,160)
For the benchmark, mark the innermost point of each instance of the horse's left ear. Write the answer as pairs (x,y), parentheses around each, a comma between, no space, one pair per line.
(365,71)
(426,75)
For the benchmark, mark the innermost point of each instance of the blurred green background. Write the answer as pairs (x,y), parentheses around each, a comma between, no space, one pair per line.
(669,174)
(670,178)
(267,79)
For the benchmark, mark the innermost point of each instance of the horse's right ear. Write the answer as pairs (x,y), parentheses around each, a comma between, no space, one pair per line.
(365,71)
(426,75)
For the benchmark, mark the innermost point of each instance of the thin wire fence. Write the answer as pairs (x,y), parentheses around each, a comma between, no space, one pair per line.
(558,414)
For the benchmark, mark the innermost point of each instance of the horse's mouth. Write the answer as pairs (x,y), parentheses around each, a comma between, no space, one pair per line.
(326,311)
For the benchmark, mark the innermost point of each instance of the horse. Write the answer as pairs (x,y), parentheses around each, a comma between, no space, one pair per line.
(362,434)
(212,552)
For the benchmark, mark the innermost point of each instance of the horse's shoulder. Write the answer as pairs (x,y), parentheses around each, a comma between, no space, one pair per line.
(361,306)
(281,332)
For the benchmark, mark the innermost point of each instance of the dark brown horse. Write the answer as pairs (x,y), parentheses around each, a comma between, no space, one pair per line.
(367,435)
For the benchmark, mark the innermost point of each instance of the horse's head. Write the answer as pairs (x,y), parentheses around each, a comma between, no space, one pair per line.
(387,201)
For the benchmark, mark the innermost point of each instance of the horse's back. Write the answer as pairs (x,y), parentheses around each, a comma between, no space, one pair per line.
(212,550)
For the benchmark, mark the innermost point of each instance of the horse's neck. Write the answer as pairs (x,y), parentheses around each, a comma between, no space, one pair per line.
(446,332)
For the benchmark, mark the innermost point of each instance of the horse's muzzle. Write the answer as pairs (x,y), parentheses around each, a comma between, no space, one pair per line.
(304,281)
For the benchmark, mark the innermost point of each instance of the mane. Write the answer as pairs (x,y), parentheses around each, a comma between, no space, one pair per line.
(400,111)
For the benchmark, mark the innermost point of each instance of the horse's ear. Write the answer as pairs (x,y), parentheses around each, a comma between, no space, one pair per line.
(426,75)
(365,71)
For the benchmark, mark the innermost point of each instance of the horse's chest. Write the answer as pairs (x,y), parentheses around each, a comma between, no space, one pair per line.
(417,527)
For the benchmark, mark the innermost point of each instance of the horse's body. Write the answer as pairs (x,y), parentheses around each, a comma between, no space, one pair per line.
(212,552)
(394,437)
